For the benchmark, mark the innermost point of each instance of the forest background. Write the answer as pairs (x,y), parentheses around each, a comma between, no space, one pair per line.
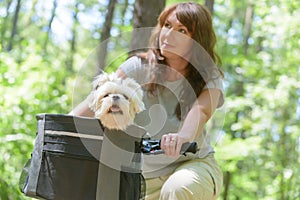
(47,63)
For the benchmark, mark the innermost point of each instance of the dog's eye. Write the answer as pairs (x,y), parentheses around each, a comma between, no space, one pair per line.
(126,97)
(106,95)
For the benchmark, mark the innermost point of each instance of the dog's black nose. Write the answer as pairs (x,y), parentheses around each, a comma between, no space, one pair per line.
(115,98)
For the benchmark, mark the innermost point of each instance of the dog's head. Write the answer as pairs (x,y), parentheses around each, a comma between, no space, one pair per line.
(116,101)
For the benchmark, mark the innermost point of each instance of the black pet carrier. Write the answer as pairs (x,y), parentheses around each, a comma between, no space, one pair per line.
(73,158)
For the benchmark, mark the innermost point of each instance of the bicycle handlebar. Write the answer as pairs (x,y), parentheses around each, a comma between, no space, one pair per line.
(152,147)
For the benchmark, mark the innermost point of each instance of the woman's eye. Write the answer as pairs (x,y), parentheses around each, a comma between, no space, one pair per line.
(182,31)
(167,25)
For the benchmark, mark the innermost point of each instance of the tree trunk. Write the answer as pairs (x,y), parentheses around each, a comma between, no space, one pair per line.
(123,13)
(32,12)
(210,5)
(14,26)
(49,26)
(145,17)
(3,27)
(70,60)
(226,185)
(126,3)
(105,35)
(259,46)
(248,23)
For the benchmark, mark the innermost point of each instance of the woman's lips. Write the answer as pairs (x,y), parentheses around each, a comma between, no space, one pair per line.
(167,45)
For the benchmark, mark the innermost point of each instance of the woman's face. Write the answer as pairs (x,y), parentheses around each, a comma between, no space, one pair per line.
(175,40)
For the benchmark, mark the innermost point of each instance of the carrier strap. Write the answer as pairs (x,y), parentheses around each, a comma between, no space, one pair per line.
(36,160)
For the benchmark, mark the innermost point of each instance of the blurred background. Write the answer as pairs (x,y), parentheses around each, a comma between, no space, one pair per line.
(50,48)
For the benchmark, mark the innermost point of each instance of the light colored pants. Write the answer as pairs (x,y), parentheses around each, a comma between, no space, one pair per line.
(199,179)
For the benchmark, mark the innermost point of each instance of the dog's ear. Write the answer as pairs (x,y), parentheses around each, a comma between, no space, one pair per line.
(100,80)
(137,94)
(139,106)
(136,106)
(93,103)
(137,99)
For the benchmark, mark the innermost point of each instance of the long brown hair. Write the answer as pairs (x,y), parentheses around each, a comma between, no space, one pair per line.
(198,21)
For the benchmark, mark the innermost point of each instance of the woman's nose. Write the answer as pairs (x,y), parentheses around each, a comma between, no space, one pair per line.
(169,32)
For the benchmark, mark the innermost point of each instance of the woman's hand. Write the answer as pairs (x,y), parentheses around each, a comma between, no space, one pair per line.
(171,144)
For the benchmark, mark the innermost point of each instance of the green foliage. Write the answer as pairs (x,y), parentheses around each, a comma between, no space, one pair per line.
(28,87)
(260,151)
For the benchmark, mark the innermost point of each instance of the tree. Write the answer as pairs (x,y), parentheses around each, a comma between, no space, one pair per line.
(48,29)
(105,34)
(5,21)
(261,76)
(70,59)
(210,5)
(14,26)
(145,16)
(248,23)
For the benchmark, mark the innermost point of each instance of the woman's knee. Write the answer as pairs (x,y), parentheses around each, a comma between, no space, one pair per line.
(175,191)
(187,185)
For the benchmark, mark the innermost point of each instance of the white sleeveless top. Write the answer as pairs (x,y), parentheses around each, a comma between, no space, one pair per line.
(159,117)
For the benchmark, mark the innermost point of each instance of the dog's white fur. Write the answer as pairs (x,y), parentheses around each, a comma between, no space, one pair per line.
(116,101)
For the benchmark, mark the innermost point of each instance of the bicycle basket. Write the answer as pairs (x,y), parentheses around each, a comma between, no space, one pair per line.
(73,158)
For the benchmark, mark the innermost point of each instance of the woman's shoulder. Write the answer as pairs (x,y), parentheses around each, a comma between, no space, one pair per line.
(134,59)
(134,67)
(216,81)
(131,63)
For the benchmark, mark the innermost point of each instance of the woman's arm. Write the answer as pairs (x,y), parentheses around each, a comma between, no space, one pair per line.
(83,108)
(194,123)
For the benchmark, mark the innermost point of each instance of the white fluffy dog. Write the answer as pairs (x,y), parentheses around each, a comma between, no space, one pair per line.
(116,101)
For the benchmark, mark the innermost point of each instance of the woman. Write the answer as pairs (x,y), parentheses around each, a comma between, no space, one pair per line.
(182,88)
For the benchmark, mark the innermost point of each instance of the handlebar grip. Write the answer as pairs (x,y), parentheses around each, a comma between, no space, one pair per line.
(190,147)
(153,147)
